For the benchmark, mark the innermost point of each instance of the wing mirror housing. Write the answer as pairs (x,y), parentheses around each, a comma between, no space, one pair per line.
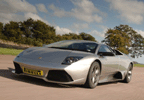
(105,54)
(101,54)
(44,45)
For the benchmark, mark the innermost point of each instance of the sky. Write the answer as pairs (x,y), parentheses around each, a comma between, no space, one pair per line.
(90,16)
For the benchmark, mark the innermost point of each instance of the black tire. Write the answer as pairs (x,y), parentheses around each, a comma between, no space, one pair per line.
(129,74)
(93,75)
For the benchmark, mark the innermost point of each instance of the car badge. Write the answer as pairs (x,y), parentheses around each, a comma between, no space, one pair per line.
(39,57)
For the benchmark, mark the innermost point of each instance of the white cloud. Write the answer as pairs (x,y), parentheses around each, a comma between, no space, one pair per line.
(6,17)
(35,17)
(42,8)
(62,30)
(9,10)
(57,11)
(140,32)
(96,33)
(131,11)
(104,28)
(86,11)
(19,6)
(78,26)
(83,10)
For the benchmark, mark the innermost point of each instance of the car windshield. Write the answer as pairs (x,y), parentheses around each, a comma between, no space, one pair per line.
(75,45)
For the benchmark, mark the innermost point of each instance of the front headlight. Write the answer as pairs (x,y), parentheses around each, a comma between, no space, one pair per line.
(70,60)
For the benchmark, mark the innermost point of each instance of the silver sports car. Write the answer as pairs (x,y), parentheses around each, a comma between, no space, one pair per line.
(74,62)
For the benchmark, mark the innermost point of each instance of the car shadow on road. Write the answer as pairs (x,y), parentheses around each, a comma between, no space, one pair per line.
(8,74)
(107,83)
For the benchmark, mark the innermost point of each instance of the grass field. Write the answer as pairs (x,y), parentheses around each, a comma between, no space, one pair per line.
(138,65)
(7,51)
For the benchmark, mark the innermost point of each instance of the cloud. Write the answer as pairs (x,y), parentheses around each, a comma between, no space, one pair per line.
(42,8)
(98,33)
(131,11)
(104,28)
(57,11)
(83,10)
(6,17)
(35,17)
(140,32)
(78,26)
(18,6)
(62,30)
(86,11)
(10,10)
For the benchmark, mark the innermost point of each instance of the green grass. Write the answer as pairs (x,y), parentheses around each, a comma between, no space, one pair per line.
(8,51)
(138,65)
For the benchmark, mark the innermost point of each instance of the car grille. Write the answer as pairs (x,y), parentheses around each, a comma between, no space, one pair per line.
(17,68)
(59,76)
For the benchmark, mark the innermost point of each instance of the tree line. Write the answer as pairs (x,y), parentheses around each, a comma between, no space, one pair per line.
(36,32)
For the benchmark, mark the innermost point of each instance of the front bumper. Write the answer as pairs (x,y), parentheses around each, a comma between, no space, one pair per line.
(53,72)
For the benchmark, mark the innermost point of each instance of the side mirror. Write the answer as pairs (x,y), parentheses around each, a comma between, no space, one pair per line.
(101,54)
(110,54)
(114,51)
(88,50)
(105,54)
(44,45)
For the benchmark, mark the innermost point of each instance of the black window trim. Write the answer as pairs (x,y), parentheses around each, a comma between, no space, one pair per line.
(107,47)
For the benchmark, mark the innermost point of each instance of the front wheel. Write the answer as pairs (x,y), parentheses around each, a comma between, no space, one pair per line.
(93,75)
(129,74)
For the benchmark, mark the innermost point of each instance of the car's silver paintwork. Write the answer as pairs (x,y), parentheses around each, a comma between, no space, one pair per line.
(42,58)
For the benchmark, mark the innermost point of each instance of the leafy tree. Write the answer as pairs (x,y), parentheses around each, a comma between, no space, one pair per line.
(1,29)
(27,27)
(71,36)
(36,32)
(117,39)
(43,31)
(87,36)
(12,31)
(75,36)
(58,38)
(125,39)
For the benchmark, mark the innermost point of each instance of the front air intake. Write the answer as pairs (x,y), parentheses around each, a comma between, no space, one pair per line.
(18,69)
(59,76)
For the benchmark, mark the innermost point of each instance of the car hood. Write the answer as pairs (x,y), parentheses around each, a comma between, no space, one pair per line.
(51,54)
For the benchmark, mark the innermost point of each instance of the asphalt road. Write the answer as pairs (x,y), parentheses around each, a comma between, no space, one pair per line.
(13,87)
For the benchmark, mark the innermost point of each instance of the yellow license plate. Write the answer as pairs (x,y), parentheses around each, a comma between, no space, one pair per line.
(32,72)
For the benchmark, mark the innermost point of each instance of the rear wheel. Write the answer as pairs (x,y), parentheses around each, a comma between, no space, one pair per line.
(93,75)
(129,74)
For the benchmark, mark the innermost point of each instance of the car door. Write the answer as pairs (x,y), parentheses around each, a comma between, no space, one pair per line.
(110,62)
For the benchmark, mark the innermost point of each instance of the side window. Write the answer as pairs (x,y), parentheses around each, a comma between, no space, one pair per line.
(104,48)
(105,51)
(118,53)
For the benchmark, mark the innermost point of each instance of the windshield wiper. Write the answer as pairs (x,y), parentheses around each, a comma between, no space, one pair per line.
(69,49)
(60,48)
(54,47)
